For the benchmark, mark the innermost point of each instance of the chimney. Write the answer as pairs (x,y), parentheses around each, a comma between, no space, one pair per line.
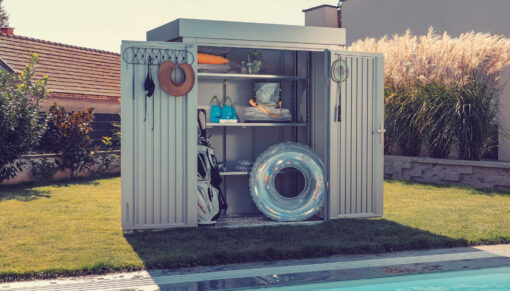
(7,31)
(339,13)
(323,15)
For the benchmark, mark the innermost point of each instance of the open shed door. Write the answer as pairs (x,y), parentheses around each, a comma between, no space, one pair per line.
(356,115)
(159,140)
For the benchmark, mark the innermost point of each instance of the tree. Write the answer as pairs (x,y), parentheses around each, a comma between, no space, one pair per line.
(4,17)
(21,126)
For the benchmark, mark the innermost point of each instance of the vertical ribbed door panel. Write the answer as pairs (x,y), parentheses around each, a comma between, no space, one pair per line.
(356,137)
(158,145)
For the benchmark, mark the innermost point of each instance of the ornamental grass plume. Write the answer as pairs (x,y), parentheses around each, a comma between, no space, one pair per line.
(442,91)
(439,59)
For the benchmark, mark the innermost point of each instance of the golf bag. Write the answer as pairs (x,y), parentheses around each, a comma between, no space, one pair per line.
(210,198)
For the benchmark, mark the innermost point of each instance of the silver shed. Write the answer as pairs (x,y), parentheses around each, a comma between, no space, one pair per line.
(342,121)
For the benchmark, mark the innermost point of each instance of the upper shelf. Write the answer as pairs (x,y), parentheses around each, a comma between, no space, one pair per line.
(223,76)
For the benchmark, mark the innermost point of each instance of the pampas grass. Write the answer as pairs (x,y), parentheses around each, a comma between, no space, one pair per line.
(441,90)
(439,59)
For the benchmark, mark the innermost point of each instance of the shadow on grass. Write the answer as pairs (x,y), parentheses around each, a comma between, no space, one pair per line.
(23,194)
(470,190)
(91,180)
(28,191)
(207,247)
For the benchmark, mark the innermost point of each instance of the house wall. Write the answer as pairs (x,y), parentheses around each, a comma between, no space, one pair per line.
(376,18)
(324,16)
(504,118)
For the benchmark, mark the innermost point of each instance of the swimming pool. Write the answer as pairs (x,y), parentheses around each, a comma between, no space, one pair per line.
(484,279)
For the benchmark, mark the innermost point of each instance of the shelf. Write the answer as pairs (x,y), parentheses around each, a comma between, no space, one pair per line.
(234,173)
(245,173)
(224,76)
(232,169)
(256,124)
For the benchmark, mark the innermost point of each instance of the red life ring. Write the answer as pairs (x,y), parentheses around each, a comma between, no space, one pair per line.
(169,86)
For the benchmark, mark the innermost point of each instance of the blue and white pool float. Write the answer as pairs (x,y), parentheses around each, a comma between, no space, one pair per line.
(262,182)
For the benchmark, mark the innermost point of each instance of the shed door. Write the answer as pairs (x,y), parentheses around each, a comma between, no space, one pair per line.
(159,145)
(356,134)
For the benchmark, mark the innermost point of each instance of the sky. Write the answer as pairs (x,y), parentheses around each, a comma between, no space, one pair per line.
(103,24)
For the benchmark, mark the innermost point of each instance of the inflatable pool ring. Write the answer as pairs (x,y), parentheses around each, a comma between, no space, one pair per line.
(169,86)
(262,182)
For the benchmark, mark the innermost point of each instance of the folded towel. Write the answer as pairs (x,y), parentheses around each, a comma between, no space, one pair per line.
(210,68)
(254,114)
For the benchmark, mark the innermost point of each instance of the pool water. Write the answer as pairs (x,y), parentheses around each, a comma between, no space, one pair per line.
(484,279)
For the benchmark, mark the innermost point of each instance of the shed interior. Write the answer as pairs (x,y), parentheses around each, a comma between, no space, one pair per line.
(245,141)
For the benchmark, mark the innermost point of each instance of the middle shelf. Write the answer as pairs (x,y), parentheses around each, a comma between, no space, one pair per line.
(234,173)
(259,124)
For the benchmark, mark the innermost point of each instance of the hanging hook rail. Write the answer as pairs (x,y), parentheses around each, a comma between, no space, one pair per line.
(155,56)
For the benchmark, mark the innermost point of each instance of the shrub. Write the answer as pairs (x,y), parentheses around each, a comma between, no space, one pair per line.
(477,110)
(68,135)
(439,115)
(105,155)
(20,121)
(44,169)
(116,134)
(402,122)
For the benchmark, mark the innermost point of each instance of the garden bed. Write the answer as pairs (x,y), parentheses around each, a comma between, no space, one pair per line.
(478,174)
(73,228)
(25,175)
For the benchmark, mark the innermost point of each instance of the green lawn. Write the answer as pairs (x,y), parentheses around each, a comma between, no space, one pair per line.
(74,228)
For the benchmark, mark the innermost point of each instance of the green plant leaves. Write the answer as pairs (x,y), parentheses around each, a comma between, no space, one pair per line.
(68,135)
(21,124)
(443,117)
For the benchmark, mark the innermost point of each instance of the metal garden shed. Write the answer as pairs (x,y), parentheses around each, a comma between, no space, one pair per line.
(342,121)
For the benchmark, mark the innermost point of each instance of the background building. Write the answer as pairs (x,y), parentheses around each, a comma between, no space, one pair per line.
(78,77)
(376,18)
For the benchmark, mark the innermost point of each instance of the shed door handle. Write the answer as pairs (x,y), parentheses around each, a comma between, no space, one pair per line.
(381,132)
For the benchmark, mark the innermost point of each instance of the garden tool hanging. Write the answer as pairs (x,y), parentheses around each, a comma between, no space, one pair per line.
(183,59)
(149,91)
(168,85)
(339,74)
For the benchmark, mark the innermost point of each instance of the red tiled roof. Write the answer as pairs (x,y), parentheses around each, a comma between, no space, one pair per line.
(71,69)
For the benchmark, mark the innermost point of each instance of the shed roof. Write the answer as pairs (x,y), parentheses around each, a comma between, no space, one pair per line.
(246,31)
(71,69)
(320,6)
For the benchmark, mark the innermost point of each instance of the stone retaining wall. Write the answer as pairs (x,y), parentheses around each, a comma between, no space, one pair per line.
(26,174)
(478,174)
